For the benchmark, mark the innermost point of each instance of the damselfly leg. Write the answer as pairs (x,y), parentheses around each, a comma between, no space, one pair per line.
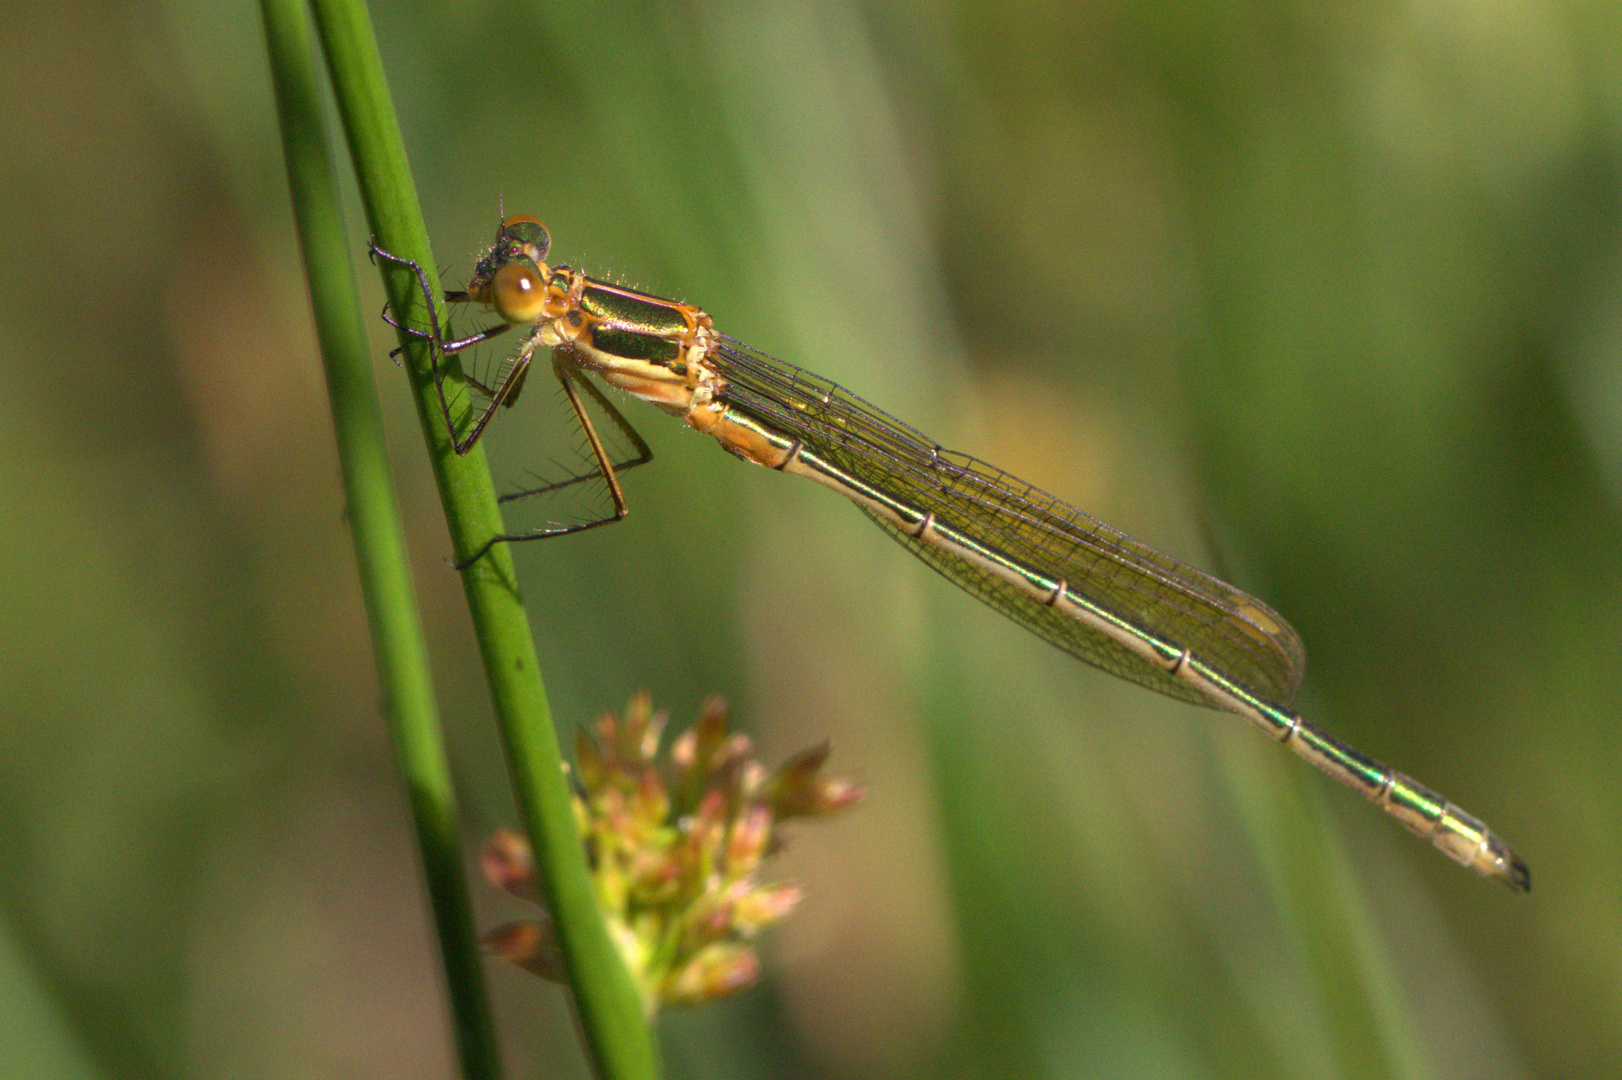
(505,389)
(573,382)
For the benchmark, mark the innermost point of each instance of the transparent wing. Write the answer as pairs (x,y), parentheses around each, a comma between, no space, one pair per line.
(1230,630)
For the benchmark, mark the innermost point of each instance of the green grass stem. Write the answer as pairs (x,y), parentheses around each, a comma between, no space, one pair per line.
(1314,888)
(374,520)
(610,1011)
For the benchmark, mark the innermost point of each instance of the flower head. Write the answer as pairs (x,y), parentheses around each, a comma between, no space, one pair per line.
(675,842)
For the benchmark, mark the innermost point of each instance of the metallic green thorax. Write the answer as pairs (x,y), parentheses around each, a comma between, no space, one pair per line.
(634,326)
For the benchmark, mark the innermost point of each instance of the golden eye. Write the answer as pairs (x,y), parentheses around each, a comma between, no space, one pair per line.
(517,294)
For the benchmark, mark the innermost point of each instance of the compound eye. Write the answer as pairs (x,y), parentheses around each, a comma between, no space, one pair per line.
(525,235)
(518,294)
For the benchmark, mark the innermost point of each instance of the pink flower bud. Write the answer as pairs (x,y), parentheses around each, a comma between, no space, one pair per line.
(507,865)
(717,970)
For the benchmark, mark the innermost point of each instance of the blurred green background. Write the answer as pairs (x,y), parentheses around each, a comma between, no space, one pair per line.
(1325,294)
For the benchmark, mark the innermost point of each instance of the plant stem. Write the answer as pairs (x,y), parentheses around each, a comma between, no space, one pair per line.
(606,999)
(374,520)
(1322,904)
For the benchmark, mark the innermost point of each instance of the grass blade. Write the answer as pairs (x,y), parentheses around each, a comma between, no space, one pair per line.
(374,520)
(606,1000)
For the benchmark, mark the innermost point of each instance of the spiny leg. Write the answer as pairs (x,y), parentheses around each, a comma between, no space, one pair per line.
(438,348)
(457,346)
(444,346)
(644,453)
(452,296)
(513,385)
(373,251)
(571,381)
(434,336)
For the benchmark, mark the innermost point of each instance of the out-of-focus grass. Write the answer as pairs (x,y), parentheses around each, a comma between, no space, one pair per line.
(1342,280)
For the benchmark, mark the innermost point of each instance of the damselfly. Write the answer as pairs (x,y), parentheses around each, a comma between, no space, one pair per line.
(1060,573)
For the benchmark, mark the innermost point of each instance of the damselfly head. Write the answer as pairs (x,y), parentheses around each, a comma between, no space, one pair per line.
(512,275)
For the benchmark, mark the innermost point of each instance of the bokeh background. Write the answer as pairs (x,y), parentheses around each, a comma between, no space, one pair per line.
(1324,295)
